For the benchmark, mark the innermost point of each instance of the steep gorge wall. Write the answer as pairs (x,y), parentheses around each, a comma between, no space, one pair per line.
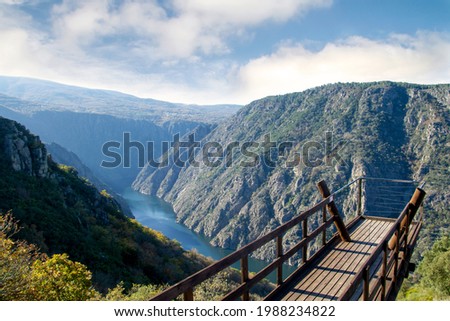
(383,129)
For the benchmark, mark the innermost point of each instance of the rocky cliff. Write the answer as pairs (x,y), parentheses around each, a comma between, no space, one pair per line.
(334,132)
(24,151)
(159,179)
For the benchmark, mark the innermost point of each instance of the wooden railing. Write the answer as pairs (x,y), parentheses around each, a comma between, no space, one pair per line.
(388,263)
(186,287)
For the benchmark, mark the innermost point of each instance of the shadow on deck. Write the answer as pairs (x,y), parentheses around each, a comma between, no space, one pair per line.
(327,278)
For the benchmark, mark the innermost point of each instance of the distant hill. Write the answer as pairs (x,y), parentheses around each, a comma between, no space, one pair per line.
(62,213)
(45,95)
(384,129)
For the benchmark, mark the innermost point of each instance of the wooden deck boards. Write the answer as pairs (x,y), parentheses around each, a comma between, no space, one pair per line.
(326,279)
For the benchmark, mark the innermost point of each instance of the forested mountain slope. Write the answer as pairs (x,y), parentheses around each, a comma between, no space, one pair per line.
(61,213)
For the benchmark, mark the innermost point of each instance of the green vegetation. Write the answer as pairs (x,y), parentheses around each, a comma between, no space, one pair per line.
(136,293)
(59,279)
(432,280)
(65,215)
(26,274)
(16,259)
(104,193)
(60,213)
(221,284)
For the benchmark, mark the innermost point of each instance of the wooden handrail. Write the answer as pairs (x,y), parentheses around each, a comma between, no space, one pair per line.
(204,274)
(236,293)
(392,242)
(413,207)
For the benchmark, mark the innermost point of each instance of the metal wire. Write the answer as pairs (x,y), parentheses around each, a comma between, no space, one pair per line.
(383,197)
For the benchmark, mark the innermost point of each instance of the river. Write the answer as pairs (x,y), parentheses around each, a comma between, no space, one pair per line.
(157,214)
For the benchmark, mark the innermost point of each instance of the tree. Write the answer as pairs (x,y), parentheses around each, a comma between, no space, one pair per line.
(435,267)
(16,259)
(138,292)
(25,274)
(58,278)
(433,275)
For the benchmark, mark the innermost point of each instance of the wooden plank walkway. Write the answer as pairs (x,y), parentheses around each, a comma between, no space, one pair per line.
(326,279)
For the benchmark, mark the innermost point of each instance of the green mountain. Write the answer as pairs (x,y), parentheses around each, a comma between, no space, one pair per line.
(62,213)
(334,132)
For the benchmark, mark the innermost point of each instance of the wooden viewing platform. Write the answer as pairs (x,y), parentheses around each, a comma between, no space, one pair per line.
(366,259)
(327,278)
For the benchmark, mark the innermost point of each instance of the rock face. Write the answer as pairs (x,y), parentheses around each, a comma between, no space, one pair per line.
(25,151)
(334,132)
(159,180)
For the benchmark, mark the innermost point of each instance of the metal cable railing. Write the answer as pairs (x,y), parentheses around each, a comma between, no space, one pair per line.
(387,263)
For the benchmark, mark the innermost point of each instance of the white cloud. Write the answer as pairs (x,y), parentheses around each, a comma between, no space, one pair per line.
(81,24)
(422,58)
(168,53)
(244,13)
(181,29)
(12,2)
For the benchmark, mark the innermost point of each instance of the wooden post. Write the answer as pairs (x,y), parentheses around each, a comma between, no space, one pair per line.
(406,232)
(396,252)
(188,295)
(304,236)
(324,219)
(244,276)
(384,271)
(366,279)
(332,208)
(413,206)
(359,206)
(280,254)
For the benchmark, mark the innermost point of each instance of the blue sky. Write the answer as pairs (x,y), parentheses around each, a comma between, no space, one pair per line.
(224,51)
